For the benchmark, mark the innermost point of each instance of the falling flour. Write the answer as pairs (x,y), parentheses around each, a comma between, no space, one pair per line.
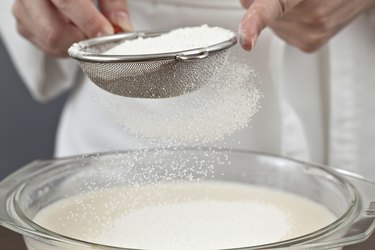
(176,40)
(223,106)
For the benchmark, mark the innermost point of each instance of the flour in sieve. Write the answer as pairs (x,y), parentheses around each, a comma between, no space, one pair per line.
(176,40)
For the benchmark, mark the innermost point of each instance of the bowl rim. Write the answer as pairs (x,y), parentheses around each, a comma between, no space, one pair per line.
(346,218)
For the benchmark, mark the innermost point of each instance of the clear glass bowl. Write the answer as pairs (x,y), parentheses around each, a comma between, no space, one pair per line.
(30,189)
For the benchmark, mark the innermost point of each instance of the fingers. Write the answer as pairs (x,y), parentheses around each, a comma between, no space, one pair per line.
(42,24)
(117,12)
(20,15)
(312,23)
(260,14)
(294,34)
(53,25)
(85,16)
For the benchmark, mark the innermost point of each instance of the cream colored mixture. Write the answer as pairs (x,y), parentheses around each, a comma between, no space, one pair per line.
(206,215)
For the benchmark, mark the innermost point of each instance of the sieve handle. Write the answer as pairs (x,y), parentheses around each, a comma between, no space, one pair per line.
(191,56)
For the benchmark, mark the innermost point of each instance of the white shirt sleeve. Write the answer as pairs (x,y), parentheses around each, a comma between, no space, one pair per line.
(44,76)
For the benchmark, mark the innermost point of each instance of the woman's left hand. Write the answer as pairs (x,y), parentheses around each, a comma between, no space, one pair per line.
(306,24)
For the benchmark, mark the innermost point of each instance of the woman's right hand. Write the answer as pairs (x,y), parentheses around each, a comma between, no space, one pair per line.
(306,24)
(54,25)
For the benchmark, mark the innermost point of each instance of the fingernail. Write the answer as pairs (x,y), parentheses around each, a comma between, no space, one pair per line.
(248,44)
(253,41)
(121,18)
(100,34)
(244,39)
(240,38)
(105,32)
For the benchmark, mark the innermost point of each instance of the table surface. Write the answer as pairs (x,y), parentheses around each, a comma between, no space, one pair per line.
(13,241)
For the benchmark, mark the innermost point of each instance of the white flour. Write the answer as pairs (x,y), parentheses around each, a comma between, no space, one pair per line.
(176,40)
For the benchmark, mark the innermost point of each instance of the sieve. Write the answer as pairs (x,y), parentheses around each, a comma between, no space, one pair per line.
(159,75)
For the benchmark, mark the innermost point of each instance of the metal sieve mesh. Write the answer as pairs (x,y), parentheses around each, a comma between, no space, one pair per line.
(149,76)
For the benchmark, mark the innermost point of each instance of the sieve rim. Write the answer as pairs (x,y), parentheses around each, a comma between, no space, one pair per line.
(77,50)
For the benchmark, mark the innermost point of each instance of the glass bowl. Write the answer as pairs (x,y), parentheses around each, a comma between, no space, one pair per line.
(347,195)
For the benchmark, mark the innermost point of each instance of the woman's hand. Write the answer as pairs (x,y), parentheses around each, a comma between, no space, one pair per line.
(54,25)
(306,24)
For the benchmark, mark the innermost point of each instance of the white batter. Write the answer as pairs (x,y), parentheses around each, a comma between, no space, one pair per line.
(207,215)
